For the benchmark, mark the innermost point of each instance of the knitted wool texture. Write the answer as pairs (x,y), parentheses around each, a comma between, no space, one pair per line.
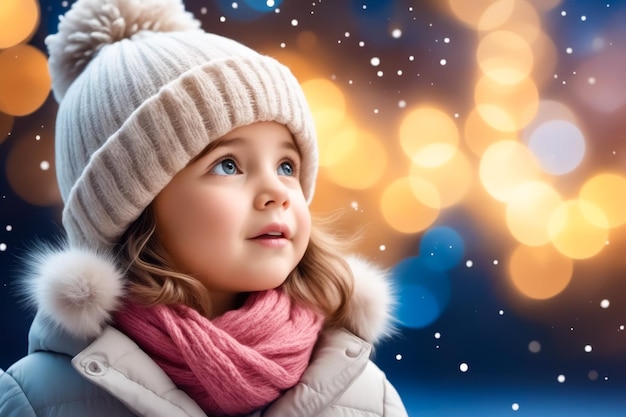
(142,91)
(235,364)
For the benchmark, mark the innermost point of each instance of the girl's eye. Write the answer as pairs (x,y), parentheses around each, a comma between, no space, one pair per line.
(286,168)
(225,167)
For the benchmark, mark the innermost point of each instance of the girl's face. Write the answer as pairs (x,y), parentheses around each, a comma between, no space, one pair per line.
(236,217)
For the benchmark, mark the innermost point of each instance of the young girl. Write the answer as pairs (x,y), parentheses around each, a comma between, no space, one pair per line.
(194,281)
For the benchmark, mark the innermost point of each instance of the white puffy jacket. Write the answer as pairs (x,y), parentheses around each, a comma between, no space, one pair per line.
(68,374)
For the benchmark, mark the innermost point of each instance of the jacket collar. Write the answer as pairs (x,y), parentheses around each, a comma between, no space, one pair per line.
(77,290)
(338,359)
(115,363)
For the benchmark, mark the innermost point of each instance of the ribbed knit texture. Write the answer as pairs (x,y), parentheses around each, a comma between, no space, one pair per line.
(235,364)
(142,90)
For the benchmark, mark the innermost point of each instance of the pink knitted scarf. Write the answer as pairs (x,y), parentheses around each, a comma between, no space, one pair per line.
(236,363)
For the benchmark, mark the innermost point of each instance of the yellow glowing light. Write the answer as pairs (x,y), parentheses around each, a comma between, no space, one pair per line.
(528,212)
(334,147)
(517,16)
(451,179)
(472,12)
(608,192)
(362,165)
(479,135)
(505,165)
(506,107)
(299,64)
(540,272)
(336,131)
(494,16)
(505,57)
(425,192)
(327,103)
(428,136)
(403,211)
(24,80)
(19,20)
(574,231)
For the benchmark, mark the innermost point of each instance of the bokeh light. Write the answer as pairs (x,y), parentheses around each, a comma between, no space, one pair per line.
(403,207)
(479,135)
(578,229)
(428,136)
(363,163)
(506,107)
(528,212)
(424,293)
(441,248)
(517,16)
(337,133)
(335,147)
(24,80)
(547,111)
(505,57)
(559,146)
(539,272)
(608,192)
(495,15)
(452,179)
(505,165)
(328,106)
(473,13)
(19,20)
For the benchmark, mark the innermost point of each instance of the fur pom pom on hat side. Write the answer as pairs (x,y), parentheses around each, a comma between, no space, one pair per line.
(370,314)
(77,289)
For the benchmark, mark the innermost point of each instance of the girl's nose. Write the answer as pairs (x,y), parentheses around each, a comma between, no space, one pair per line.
(272,192)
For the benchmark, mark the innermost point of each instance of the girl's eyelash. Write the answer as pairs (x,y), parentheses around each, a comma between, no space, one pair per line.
(294,164)
(223,158)
(291,160)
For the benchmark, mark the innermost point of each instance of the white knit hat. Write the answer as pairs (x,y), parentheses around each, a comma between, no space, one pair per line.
(142,91)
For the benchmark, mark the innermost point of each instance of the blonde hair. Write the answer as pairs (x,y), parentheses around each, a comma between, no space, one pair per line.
(322,279)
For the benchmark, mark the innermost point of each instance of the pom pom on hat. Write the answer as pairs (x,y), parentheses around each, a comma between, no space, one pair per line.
(90,25)
(77,289)
(142,90)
